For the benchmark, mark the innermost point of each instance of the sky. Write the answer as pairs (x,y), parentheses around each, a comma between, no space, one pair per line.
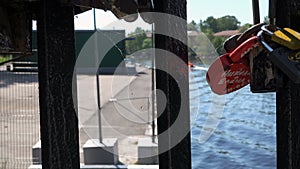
(241,9)
(196,9)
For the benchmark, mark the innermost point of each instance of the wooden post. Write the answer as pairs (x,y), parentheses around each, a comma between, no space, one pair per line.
(177,155)
(288,97)
(56,60)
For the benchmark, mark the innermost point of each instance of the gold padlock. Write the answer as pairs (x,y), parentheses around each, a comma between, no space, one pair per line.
(288,38)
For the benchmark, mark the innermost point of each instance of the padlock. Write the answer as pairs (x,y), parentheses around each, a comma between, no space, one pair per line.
(231,43)
(287,60)
(225,77)
(262,71)
(244,48)
(286,37)
(252,31)
(236,40)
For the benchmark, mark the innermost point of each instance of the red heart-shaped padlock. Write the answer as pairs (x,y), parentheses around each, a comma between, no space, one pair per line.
(225,77)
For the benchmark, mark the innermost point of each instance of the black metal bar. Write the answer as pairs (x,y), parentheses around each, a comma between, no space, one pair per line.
(272,11)
(94,16)
(256,15)
(171,153)
(56,61)
(288,97)
(96,52)
(153,83)
(99,105)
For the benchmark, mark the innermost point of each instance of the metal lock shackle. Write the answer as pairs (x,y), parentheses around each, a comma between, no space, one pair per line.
(263,42)
(286,37)
(282,57)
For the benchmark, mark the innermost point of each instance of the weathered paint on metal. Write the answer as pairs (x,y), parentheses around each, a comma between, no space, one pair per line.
(288,97)
(178,156)
(256,14)
(56,61)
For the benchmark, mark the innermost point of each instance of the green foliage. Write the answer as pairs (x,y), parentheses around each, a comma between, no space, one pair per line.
(137,43)
(220,24)
(200,47)
(147,43)
(210,24)
(193,26)
(228,23)
(210,34)
(213,25)
(5,58)
(218,44)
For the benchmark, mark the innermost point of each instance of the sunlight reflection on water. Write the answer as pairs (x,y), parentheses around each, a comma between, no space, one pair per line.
(246,135)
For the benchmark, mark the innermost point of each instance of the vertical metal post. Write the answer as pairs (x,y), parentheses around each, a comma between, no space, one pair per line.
(99,106)
(288,97)
(56,61)
(256,16)
(96,53)
(272,11)
(153,83)
(94,15)
(178,155)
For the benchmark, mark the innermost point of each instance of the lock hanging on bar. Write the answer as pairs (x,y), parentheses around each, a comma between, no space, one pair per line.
(287,60)
(286,37)
(262,78)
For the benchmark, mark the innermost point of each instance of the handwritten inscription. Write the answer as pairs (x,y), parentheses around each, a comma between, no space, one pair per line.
(235,76)
(233,73)
(234,79)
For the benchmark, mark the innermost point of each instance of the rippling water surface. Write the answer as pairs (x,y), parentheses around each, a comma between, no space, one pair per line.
(245,136)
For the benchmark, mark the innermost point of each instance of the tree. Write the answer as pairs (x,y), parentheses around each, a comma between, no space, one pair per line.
(139,35)
(227,23)
(147,43)
(220,24)
(193,26)
(218,44)
(138,30)
(210,24)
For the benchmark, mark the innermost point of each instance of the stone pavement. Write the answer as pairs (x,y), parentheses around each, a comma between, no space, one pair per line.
(126,110)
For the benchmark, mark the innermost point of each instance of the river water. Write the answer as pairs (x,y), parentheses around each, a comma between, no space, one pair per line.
(239,129)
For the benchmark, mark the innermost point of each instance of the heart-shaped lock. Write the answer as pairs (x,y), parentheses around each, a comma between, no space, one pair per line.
(225,77)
